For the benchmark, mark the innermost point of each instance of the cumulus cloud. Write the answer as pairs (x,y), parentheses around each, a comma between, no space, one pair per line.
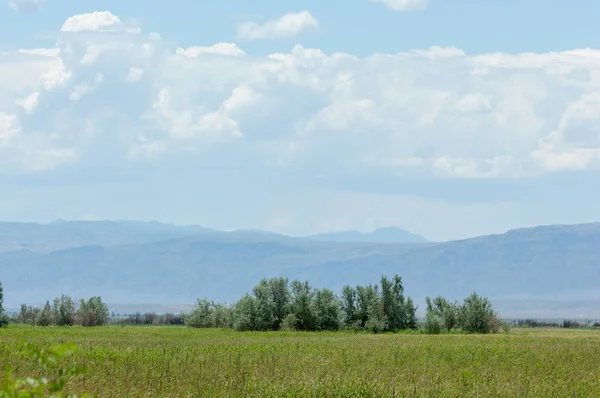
(134,75)
(432,113)
(215,49)
(26,5)
(30,102)
(289,25)
(404,5)
(97,21)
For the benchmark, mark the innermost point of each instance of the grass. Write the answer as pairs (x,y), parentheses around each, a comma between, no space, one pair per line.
(181,362)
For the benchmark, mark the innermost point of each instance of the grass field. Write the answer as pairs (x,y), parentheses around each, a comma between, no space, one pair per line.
(182,362)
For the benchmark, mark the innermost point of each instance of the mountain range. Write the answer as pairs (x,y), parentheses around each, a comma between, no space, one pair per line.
(546,271)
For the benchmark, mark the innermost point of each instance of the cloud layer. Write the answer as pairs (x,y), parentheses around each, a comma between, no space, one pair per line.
(110,91)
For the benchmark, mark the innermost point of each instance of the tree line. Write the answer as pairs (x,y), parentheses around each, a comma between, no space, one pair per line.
(62,312)
(278,304)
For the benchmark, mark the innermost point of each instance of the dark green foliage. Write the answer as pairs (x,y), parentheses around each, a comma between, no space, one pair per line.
(44,317)
(280,298)
(433,323)
(446,311)
(3,316)
(474,315)
(348,305)
(245,314)
(63,311)
(378,308)
(326,310)
(366,298)
(302,305)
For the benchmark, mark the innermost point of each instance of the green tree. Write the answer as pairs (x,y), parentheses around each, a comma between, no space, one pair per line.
(63,311)
(92,312)
(302,305)
(44,318)
(244,314)
(221,316)
(3,316)
(201,315)
(326,310)
(349,305)
(446,311)
(28,314)
(476,315)
(410,313)
(280,297)
(366,296)
(433,323)
(265,307)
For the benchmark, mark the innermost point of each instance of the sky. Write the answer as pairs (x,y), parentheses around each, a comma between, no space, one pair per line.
(450,119)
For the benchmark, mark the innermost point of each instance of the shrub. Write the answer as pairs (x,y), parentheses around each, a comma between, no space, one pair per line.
(477,316)
(92,312)
(288,323)
(433,323)
(3,316)
(51,361)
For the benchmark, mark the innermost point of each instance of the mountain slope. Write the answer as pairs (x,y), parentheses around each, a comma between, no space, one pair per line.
(525,264)
(66,234)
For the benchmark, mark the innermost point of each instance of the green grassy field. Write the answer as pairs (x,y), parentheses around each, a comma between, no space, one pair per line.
(182,362)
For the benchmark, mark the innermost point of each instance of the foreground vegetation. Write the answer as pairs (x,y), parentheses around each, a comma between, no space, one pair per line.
(178,362)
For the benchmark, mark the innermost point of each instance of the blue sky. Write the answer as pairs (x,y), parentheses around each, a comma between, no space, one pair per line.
(448,118)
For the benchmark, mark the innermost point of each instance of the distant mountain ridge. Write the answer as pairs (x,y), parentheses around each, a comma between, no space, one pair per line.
(63,234)
(381,235)
(141,263)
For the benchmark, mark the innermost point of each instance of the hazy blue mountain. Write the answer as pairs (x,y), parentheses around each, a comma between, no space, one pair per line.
(551,264)
(66,234)
(381,235)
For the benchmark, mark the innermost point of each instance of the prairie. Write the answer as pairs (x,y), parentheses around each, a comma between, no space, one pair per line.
(168,361)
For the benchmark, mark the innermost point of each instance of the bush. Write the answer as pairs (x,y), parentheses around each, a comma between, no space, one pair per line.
(44,317)
(288,323)
(92,312)
(52,361)
(207,314)
(433,323)
(4,320)
(63,311)
(477,316)
(375,325)
(3,316)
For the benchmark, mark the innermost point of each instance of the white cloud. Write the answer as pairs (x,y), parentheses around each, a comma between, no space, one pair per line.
(26,5)
(134,75)
(30,102)
(85,88)
(216,49)
(97,21)
(289,25)
(436,112)
(404,5)
(8,127)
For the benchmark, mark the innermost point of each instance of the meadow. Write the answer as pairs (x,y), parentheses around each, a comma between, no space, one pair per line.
(163,361)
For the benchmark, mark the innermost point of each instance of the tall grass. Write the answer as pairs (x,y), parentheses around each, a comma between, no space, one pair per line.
(183,362)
